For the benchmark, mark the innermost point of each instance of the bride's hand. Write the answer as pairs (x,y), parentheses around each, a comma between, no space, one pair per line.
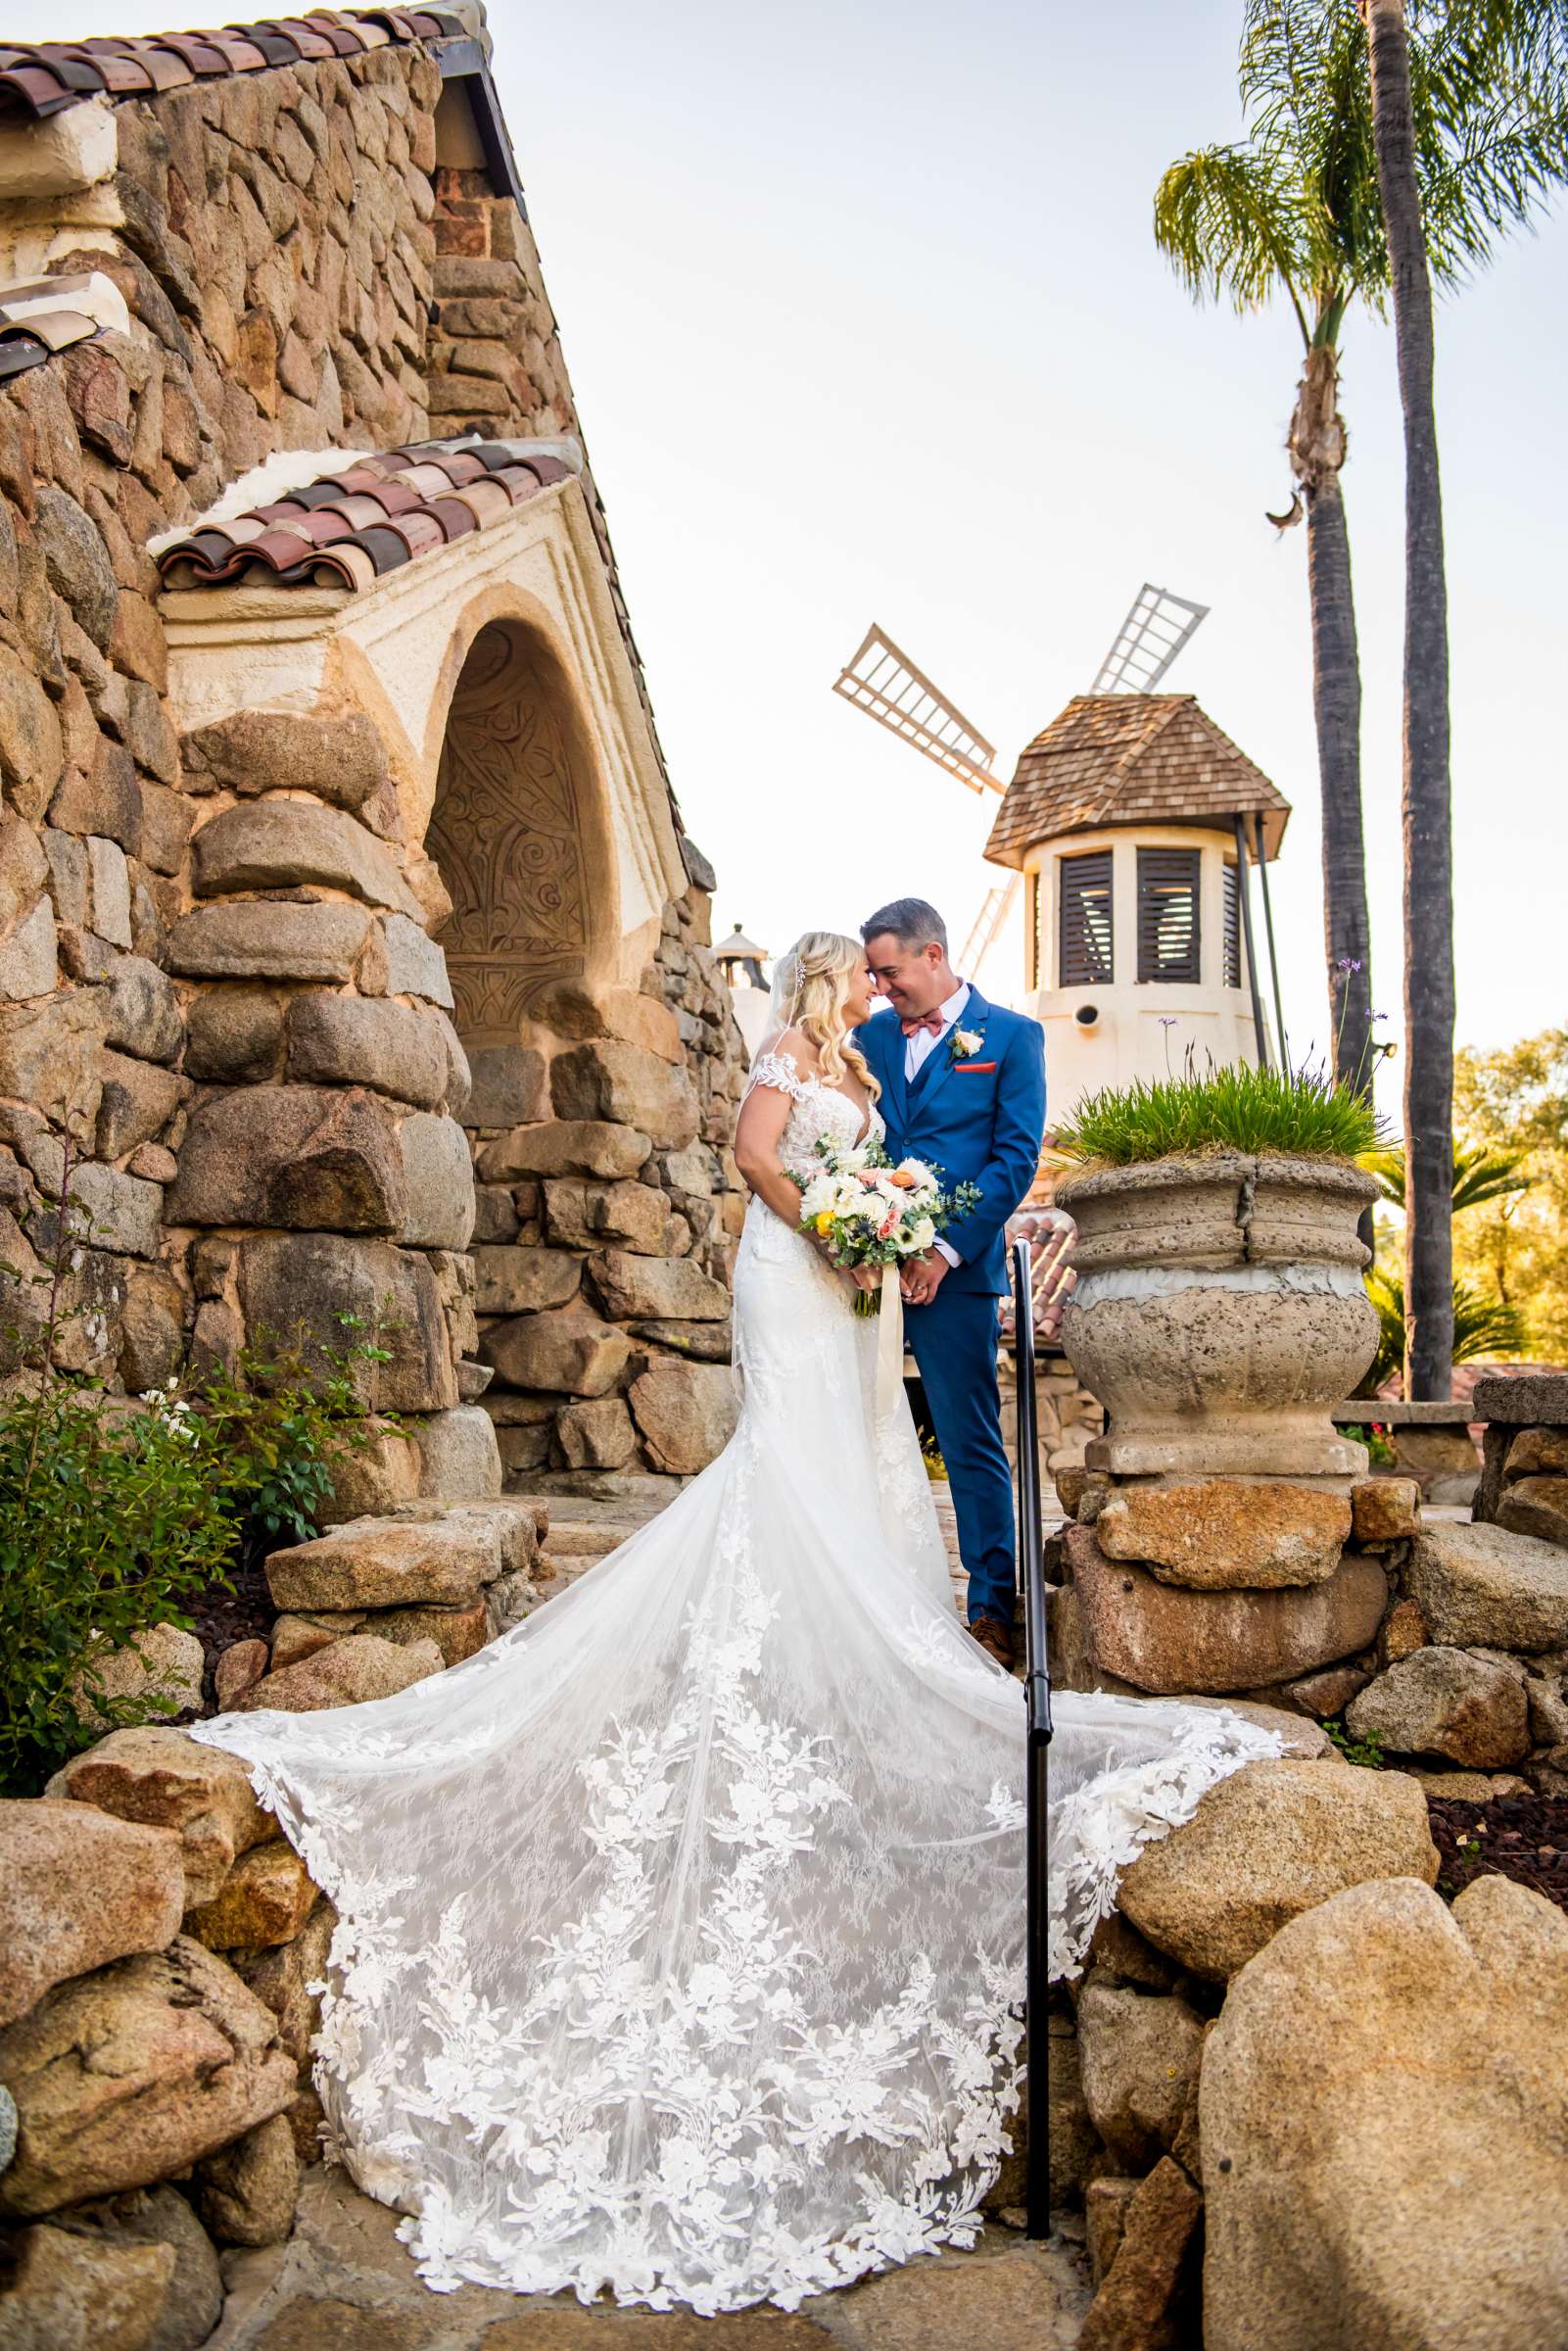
(868,1277)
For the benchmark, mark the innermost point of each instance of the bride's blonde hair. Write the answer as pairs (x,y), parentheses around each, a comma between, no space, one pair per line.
(810,986)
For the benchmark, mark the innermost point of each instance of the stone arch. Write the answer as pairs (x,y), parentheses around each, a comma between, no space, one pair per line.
(520,834)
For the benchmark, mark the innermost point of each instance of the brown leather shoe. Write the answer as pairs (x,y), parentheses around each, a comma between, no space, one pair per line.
(995,1638)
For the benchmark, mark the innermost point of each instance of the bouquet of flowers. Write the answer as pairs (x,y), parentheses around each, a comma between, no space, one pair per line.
(871,1212)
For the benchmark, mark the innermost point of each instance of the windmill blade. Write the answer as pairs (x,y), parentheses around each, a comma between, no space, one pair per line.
(987,925)
(1157,627)
(885,683)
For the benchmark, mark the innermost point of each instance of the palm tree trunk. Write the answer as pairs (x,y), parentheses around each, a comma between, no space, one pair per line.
(1429,995)
(1337,708)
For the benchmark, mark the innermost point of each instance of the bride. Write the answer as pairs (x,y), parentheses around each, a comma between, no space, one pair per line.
(682,1929)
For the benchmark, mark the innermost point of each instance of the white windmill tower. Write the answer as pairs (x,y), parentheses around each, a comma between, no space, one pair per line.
(1130,822)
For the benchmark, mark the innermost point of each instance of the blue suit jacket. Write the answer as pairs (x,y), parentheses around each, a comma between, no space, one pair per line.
(970,1120)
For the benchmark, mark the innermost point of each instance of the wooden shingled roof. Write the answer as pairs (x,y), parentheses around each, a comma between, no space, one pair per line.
(1130,760)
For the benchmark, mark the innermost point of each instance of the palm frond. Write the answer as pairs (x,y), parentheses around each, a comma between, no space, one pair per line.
(1481,1172)
(1231,222)
(1482,1326)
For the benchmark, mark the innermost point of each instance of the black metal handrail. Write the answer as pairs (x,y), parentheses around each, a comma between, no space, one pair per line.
(1037,1721)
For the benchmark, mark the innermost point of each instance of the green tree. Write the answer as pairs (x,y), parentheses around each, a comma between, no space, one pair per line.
(1515,1246)
(1293,211)
(1482,81)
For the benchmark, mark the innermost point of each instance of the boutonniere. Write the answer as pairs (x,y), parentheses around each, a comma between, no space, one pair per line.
(965,1043)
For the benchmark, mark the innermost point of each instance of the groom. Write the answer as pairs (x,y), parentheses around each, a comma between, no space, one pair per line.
(963,1087)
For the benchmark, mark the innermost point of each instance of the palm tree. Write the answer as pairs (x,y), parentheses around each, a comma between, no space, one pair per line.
(1481,1172)
(1482,1328)
(1294,211)
(1485,77)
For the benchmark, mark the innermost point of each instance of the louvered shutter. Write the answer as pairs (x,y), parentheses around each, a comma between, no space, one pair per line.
(1232,939)
(1084,943)
(1168,915)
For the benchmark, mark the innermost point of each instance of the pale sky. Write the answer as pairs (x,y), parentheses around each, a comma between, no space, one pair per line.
(866,321)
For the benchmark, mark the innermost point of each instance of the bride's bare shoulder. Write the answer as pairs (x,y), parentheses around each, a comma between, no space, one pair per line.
(793,1045)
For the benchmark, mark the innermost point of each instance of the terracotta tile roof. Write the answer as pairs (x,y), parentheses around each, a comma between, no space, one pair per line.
(343,530)
(39,78)
(1130,760)
(50,315)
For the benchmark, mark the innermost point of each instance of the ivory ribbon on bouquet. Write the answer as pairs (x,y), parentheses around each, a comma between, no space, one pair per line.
(889,1343)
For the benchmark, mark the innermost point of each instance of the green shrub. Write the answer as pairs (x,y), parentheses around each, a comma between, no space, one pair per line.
(118,1513)
(109,1523)
(1298,1114)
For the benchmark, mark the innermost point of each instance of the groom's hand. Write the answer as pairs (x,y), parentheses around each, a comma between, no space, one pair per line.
(922,1277)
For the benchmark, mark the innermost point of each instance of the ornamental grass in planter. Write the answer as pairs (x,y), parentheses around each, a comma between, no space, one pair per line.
(1219,1312)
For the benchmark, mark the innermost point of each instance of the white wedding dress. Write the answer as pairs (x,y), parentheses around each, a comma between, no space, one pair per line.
(681,1930)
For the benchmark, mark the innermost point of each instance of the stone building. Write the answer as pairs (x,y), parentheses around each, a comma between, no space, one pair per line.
(338,865)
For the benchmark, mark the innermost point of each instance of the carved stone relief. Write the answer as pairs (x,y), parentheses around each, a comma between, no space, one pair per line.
(505,834)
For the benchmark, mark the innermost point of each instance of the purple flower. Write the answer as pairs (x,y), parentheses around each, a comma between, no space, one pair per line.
(1380,1016)
(1167,1020)
(1349,963)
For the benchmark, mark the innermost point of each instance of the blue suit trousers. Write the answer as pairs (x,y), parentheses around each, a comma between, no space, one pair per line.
(954,1342)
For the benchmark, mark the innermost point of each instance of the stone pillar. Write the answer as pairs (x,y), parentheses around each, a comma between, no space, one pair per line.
(324,1186)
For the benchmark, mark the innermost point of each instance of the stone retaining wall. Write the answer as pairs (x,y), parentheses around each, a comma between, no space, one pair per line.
(218,979)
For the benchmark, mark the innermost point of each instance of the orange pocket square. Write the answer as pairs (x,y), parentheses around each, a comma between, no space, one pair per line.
(977,1069)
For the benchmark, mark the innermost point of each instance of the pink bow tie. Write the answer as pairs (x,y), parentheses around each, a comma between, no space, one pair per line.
(924,1020)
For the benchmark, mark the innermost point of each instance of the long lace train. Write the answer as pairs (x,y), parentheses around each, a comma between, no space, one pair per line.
(681,1930)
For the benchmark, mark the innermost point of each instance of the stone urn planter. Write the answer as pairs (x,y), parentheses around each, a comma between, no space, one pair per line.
(1219,1313)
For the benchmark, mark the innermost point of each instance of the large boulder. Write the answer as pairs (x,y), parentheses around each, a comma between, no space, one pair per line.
(125,2075)
(1536,1505)
(159,2220)
(629,1285)
(78,1889)
(1140,2054)
(687,1413)
(268,941)
(388,1564)
(248,2191)
(276,844)
(439,1182)
(347,1673)
(1272,1840)
(1445,1702)
(565,1147)
(303,1283)
(308,1158)
(1144,2296)
(570,1352)
(170,1781)
(459,1461)
(266,1899)
(340,759)
(66,2292)
(1486,1585)
(1383,2102)
(1169,1642)
(607,1079)
(1218,1535)
(517,1280)
(366,1041)
(160,1670)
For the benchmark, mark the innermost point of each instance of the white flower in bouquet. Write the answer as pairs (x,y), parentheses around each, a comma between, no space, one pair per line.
(921,1234)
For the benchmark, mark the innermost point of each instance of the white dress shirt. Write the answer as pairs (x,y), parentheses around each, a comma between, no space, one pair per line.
(918,1046)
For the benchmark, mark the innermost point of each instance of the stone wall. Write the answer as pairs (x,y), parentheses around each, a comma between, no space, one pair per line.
(220,982)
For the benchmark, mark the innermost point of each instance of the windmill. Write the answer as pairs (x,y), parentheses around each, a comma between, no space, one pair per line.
(884,681)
